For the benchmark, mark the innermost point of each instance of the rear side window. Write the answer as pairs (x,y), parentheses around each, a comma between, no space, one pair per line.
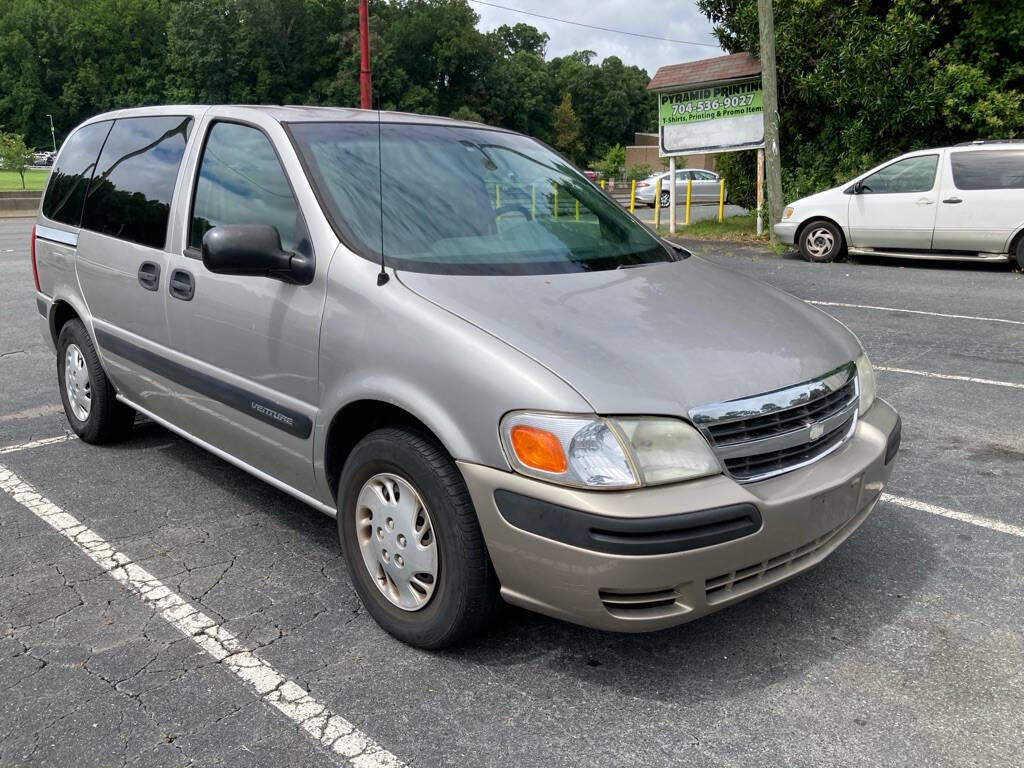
(130,194)
(241,181)
(989,169)
(70,177)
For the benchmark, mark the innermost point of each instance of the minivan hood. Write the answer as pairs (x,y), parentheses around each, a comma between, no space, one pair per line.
(657,339)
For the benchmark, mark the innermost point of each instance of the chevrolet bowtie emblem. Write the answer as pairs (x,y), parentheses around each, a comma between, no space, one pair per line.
(816,431)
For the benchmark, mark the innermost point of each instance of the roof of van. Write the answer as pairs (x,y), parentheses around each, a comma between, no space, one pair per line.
(287,114)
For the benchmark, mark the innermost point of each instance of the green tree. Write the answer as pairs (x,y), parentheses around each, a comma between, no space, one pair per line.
(14,155)
(863,80)
(565,128)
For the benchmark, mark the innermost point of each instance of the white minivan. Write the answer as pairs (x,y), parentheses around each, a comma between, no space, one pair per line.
(964,202)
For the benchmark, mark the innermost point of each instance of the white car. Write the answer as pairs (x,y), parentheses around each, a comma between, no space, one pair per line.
(964,202)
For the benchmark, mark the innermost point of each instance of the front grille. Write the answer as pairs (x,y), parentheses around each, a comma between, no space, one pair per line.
(739,582)
(762,436)
(776,423)
(773,462)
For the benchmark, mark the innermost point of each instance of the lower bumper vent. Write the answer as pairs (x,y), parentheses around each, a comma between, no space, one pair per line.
(739,582)
(630,605)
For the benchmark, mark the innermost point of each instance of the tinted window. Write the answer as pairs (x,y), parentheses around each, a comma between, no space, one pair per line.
(130,194)
(70,178)
(990,169)
(467,201)
(241,182)
(915,174)
(704,176)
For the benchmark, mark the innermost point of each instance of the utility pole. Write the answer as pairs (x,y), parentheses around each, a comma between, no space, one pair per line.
(364,55)
(773,161)
(53,134)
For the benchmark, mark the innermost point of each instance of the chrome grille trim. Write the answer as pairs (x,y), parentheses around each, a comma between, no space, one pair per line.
(826,406)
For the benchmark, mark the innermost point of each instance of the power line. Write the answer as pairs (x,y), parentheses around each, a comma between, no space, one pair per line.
(593,26)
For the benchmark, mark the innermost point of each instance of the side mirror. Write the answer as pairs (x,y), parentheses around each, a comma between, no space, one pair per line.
(856,189)
(255,250)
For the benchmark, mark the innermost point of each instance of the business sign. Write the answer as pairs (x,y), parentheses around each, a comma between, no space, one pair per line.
(712,118)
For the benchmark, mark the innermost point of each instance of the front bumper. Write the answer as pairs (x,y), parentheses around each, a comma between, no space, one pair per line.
(804,515)
(785,231)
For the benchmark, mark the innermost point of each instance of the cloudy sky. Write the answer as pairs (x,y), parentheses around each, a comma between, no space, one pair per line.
(676,19)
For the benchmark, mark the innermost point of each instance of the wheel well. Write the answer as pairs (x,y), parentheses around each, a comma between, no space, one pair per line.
(354,422)
(61,313)
(804,224)
(1012,250)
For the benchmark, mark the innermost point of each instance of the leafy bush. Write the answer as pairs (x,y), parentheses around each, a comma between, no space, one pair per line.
(611,164)
(638,172)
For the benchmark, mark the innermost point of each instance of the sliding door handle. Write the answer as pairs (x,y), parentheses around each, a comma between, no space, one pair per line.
(952,200)
(149,276)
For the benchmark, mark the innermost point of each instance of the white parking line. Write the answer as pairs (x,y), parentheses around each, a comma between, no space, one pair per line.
(330,729)
(36,444)
(951,377)
(913,312)
(964,517)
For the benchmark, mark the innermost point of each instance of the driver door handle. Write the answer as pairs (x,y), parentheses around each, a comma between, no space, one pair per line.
(925,201)
(952,200)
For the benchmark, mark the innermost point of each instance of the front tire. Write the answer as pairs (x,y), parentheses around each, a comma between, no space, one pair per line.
(411,540)
(90,401)
(665,199)
(821,242)
(1019,253)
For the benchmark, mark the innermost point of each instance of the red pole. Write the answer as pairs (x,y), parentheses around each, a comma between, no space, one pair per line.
(364,55)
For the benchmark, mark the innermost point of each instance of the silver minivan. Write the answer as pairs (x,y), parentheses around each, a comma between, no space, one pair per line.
(445,336)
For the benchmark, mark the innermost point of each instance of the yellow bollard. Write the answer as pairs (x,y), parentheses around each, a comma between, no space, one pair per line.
(533,201)
(657,203)
(689,188)
(632,196)
(577,210)
(497,195)
(556,201)
(602,183)
(721,200)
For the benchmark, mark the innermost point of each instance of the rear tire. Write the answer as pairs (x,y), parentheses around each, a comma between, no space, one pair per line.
(462,593)
(821,241)
(1019,253)
(665,199)
(90,400)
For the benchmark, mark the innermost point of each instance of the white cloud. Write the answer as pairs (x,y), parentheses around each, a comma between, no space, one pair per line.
(663,18)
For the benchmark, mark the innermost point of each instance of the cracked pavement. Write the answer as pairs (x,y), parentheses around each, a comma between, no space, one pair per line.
(902,648)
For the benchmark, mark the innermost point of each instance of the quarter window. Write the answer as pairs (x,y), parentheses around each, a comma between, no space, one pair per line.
(989,169)
(914,174)
(130,194)
(70,177)
(241,181)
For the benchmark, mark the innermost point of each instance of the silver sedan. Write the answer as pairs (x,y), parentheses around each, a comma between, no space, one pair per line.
(704,190)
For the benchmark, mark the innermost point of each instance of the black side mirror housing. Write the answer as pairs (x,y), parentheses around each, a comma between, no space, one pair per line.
(854,189)
(254,250)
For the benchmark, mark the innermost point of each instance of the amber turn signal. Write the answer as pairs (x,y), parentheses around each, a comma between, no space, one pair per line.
(538,448)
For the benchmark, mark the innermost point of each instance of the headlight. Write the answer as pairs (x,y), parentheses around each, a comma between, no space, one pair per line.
(788,212)
(866,382)
(592,452)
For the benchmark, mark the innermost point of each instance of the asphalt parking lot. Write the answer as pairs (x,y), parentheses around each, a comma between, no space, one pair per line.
(902,648)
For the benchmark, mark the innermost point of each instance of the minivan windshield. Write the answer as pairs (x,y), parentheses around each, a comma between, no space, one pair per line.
(460,200)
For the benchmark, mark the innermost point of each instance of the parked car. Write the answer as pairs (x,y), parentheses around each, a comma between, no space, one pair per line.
(964,202)
(42,159)
(482,394)
(705,188)
(592,175)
